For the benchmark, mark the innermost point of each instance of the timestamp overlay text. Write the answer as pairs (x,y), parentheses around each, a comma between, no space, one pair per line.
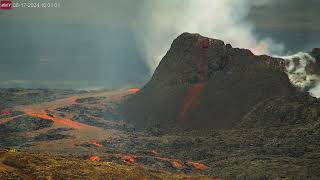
(36,3)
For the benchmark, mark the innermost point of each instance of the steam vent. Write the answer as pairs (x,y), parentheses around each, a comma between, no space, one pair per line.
(205,83)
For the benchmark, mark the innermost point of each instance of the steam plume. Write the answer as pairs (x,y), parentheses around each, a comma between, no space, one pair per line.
(219,19)
(301,70)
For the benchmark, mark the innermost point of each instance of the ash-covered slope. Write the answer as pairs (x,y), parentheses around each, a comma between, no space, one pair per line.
(203,83)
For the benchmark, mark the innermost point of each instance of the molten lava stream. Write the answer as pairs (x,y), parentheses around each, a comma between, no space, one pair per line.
(174,162)
(177,164)
(199,166)
(192,97)
(43,115)
(133,90)
(95,143)
(198,88)
(127,158)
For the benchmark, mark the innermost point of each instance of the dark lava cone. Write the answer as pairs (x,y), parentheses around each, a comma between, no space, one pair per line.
(203,83)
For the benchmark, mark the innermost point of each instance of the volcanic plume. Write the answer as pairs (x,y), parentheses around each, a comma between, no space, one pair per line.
(304,71)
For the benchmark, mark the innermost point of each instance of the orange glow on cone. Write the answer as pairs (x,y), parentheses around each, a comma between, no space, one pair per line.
(133,90)
(197,89)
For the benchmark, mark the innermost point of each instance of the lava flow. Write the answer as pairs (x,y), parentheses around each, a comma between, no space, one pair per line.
(174,162)
(94,158)
(133,90)
(43,115)
(190,100)
(96,143)
(198,88)
(128,158)
(199,166)
(177,164)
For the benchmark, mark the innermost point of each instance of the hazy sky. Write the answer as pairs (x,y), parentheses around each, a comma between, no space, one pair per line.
(292,22)
(113,43)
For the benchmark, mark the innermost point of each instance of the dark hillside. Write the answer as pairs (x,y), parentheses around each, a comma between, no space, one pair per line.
(203,83)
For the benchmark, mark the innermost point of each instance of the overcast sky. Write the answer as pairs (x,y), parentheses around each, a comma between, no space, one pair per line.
(114,43)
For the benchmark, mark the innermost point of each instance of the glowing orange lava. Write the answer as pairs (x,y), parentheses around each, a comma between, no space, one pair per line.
(198,88)
(94,142)
(177,164)
(128,158)
(174,162)
(42,114)
(193,95)
(94,158)
(199,166)
(133,90)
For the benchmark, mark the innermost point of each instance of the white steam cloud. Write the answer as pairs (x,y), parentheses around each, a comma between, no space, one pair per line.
(302,73)
(220,19)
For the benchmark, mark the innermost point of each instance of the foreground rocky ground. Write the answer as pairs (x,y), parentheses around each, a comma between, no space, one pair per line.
(84,129)
(45,166)
(80,128)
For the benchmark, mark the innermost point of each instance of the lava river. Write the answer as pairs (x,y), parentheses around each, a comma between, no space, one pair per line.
(43,115)
(197,89)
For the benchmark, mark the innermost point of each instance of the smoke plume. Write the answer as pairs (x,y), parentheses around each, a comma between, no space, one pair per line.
(302,72)
(225,20)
